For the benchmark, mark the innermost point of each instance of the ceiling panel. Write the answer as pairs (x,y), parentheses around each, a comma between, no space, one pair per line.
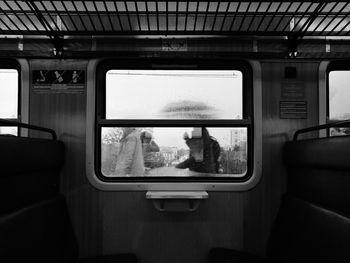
(231,18)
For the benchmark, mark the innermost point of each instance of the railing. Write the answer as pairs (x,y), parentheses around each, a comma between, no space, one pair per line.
(342,124)
(7,123)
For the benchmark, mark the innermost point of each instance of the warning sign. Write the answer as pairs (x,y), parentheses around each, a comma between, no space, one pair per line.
(59,80)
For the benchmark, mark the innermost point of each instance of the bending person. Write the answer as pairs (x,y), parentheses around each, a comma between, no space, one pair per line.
(204,153)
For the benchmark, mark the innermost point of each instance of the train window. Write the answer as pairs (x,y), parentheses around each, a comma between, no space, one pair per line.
(338,94)
(184,124)
(9,98)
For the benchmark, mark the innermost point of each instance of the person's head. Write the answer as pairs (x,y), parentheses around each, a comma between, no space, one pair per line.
(128,130)
(146,137)
(200,137)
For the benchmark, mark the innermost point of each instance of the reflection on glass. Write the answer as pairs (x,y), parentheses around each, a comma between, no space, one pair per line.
(174,94)
(338,131)
(174,151)
(8,131)
(8,93)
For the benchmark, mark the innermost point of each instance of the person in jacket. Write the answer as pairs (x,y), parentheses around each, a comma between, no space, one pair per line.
(204,153)
(130,157)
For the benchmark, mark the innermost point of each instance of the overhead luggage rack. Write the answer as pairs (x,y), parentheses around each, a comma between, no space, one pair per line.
(166,18)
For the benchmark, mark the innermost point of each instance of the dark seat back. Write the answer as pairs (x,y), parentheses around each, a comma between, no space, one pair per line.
(319,171)
(34,221)
(29,171)
(313,223)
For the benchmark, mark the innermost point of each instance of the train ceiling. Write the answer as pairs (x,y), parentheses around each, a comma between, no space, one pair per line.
(169,18)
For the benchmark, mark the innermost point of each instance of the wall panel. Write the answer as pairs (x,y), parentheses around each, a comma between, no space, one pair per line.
(132,224)
(64,111)
(262,203)
(109,222)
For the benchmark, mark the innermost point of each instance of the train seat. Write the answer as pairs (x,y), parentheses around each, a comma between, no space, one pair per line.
(29,171)
(313,222)
(34,220)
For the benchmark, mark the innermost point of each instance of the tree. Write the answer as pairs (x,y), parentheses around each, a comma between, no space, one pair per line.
(111,135)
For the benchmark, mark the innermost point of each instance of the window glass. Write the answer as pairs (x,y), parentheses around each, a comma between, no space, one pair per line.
(174,151)
(174,94)
(8,130)
(8,94)
(339,94)
(8,98)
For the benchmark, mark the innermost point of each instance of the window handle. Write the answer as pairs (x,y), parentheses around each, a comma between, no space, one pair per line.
(176,201)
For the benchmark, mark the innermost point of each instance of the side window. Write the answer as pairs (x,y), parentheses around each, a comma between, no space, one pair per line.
(338,99)
(156,124)
(9,98)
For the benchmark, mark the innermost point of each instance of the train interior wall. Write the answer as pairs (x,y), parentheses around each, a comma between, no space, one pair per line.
(111,222)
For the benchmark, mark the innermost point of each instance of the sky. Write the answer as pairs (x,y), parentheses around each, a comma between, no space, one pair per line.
(173,137)
(143,94)
(8,93)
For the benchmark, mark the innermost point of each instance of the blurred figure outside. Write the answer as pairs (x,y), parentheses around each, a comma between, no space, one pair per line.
(130,157)
(204,152)
(149,148)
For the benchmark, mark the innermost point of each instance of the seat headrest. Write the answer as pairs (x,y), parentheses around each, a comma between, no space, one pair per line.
(324,153)
(21,154)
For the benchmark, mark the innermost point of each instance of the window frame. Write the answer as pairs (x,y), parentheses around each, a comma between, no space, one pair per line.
(247,120)
(14,65)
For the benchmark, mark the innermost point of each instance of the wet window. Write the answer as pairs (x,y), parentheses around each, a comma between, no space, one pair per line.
(338,96)
(8,98)
(159,94)
(158,124)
